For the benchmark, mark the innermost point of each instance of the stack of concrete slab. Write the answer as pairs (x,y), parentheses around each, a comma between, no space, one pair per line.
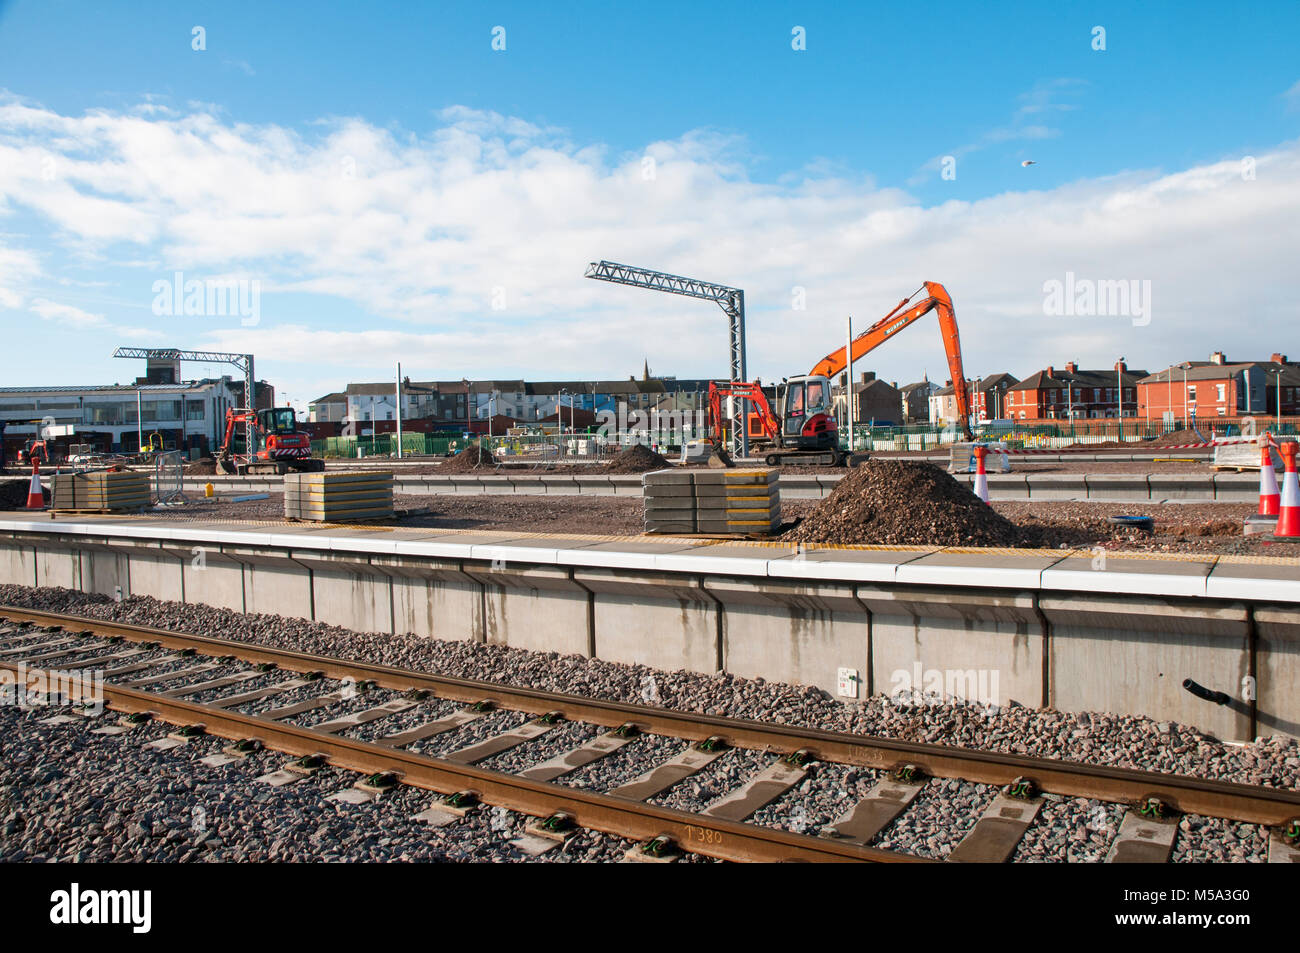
(101,491)
(722,502)
(338,496)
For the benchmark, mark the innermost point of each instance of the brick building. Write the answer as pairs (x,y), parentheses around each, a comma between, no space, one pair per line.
(1062,393)
(1219,388)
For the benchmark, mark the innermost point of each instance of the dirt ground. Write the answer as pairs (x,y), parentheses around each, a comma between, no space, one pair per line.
(1179,527)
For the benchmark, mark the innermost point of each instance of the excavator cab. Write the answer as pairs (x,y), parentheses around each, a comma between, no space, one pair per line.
(807,414)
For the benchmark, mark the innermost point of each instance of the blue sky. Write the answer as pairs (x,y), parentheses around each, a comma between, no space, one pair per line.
(479,170)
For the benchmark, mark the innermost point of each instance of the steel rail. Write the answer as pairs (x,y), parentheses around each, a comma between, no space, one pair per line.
(1241,802)
(622,817)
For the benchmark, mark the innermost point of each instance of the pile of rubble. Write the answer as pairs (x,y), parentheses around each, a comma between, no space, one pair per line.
(900,503)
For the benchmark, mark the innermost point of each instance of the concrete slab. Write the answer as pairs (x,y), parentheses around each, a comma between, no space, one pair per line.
(1057,486)
(1181,486)
(1123,487)
(853,565)
(1111,573)
(1011,570)
(665,620)
(1237,487)
(1275,581)
(625,554)
(1121,654)
(722,558)
(1008,486)
(791,631)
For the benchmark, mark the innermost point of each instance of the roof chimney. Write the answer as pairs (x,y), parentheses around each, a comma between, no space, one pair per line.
(1051,371)
(1071,367)
(1278,359)
(1218,358)
(947,383)
(894,384)
(1121,366)
(868,376)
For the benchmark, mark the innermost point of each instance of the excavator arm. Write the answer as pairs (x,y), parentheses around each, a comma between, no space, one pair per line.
(905,313)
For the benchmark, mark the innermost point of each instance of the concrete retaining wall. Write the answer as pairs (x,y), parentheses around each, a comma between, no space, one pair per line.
(1024,629)
(1119,487)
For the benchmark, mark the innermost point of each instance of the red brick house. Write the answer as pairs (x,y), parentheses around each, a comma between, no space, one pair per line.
(1062,393)
(1218,388)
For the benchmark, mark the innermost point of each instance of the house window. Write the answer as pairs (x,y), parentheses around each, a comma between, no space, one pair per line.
(1191,392)
(1221,392)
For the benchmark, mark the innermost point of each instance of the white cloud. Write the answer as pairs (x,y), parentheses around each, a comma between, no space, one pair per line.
(66,314)
(1292,96)
(413,232)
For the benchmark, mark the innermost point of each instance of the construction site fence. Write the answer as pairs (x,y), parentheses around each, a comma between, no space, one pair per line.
(549,447)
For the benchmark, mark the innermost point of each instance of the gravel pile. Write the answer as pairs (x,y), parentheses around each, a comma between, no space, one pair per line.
(470,459)
(636,459)
(1098,738)
(893,502)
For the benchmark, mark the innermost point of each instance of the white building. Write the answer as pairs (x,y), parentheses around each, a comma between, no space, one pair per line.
(185,414)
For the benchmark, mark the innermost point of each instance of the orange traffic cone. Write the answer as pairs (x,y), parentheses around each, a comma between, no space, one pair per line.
(981,476)
(35,496)
(1269,499)
(1288,519)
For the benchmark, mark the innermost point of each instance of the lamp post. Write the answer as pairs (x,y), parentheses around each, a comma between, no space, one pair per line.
(1184,366)
(1278,376)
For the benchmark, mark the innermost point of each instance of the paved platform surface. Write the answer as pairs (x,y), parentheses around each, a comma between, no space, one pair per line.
(1206,576)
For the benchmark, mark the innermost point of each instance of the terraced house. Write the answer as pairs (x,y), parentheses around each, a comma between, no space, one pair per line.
(1071,393)
(1217,388)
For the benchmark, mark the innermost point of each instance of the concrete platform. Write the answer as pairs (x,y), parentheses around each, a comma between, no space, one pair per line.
(1073,629)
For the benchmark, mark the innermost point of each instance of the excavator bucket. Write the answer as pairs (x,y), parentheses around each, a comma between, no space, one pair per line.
(719,459)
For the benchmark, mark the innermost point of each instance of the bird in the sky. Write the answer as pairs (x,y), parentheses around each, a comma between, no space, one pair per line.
(1028,162)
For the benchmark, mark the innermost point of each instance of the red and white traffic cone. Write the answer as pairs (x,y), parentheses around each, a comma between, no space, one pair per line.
(35,496)
(981,476)
(1269,499)
(1288,519)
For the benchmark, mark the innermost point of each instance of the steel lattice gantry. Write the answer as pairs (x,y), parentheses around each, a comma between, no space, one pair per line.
(730,300)
(242,361)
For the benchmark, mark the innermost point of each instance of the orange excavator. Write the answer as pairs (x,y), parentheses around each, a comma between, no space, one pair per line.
(279,446)
(805,432)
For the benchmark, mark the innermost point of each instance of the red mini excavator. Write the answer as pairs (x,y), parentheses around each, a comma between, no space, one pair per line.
(804,431)
(279,446)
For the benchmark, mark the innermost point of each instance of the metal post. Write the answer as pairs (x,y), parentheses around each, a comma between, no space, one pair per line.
(399,410)
(848,370)
(139,423)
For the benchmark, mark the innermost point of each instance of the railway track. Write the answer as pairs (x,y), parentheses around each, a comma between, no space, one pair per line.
(238,691)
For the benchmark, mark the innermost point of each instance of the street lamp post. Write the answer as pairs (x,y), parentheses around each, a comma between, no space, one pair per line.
(1278,376)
